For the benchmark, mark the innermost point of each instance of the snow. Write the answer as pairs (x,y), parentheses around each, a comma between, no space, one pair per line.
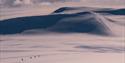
(62,48)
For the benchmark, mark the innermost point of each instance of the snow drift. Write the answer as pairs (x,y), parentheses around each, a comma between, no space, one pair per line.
(64,20)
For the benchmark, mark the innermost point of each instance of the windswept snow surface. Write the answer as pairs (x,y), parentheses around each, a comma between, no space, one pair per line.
(65,35)
(61,48)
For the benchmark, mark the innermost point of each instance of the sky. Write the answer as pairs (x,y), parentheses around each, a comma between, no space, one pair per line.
(94,1)
(97,2)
